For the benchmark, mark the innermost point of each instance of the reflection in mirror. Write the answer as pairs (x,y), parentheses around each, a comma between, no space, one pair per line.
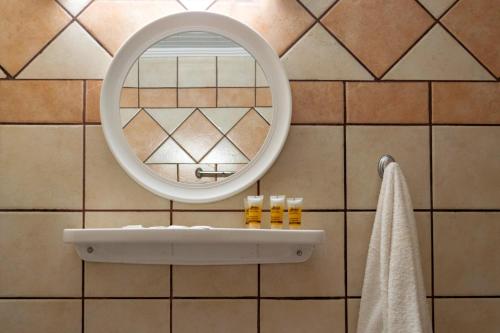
(196,107)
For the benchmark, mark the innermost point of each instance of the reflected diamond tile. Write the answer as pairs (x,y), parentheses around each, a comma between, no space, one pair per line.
(144,135)
(170,119)
(170,152)
(267,113)
(224,118)
(249,134)
(225,152)
(197,135)
(126,114)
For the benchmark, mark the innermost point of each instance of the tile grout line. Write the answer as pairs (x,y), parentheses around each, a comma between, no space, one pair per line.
(431,197)
(346,304)
(84,152)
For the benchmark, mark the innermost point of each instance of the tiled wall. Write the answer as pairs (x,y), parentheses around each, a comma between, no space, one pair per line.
(418,80)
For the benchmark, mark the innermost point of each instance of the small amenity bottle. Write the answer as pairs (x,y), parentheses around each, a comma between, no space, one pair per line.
(294,212)
(277,207)
(255,211)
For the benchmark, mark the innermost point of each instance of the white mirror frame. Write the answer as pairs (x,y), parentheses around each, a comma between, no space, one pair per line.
(229,28)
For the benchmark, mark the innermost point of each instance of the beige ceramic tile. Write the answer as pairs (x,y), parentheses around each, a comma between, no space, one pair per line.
(235,97)
(318,7)
(317,102)
(466,253)
(55,316)
(35,261)
(387,102)
(126,280)
(322,274)
(249,134)
(263,97)
(214,316)
(297,316)
(233,202)
(187,173)
(224,118)
(437,56)
(41,101)
(467,315)
(107,186)
(158,72)
(466,103)
(26,30)
(437,7)
(144,135)
(331,60)
(37,158)
(310,166)
(409,145)
(378,32)
(197,97)
(2,74)
(281,22)
(197,72)
(127,315)
(74,6)
(169,152)
(92,100)
(132,79)
(157,97)
(458,183)
(236,71)
(359,226)
(211,281)
(225,152)
(195,127)
(196,4)
(130,97)
(353,313)
(170,118)
(74,54)
(112,22)
(475,24)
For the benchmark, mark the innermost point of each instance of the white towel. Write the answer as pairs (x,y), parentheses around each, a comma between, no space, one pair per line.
(393,299)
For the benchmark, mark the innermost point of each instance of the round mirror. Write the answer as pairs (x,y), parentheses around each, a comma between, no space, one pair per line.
(196,107)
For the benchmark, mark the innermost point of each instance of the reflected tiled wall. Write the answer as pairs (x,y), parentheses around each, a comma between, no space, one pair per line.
(416,79)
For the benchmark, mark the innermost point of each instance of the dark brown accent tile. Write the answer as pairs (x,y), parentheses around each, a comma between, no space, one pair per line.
(317,102)
(466,103)
(197,97)
(236,97)
(387,102)
(41,101)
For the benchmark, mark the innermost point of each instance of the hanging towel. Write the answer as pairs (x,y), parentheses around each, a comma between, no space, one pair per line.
(393,299)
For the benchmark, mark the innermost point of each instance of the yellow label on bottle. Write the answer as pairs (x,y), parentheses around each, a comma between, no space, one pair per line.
(277,214)
(254,214)
(294,216)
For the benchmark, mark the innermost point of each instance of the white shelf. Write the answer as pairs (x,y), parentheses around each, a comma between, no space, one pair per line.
(211,246)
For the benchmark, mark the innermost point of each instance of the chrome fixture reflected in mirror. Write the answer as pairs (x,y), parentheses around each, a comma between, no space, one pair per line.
(196,107)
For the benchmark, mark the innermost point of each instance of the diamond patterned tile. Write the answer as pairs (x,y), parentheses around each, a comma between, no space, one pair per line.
(197,135)
(196,4)
(437,56)
(476,23)
(144,135)
(74,54)
(2,74)
(112,22)
(437,7)
(280,22)
(25,29)
(225,152)
(126,114)
(224,118)
(170,152)
(249,134)
(170,119)
(74,6)
(266,113)
(378,32)
(332,61)
(317,7)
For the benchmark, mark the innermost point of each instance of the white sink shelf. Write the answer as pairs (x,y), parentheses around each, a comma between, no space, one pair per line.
(193,246)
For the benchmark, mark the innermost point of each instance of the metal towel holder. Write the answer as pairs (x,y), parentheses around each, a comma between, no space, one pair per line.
(383,162)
